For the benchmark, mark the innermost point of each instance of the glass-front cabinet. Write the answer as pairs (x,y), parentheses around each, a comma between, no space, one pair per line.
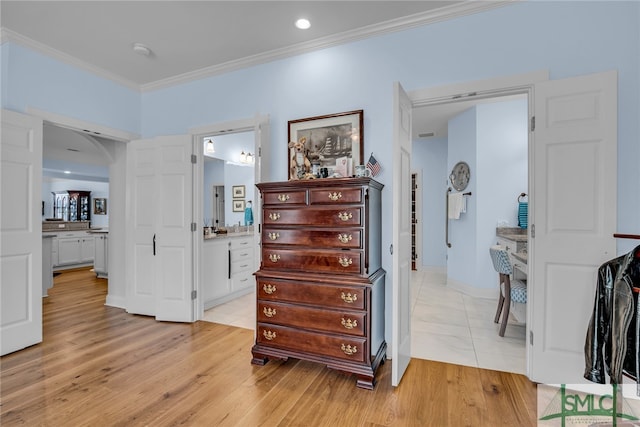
(72,205)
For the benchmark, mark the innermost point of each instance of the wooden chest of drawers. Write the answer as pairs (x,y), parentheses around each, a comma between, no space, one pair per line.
(320,287)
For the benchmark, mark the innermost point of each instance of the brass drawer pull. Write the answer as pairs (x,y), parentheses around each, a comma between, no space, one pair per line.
(274,257)
(335,196)
(268,289)
(349,324)
(345,238)
(348,298)
(274,216)
(345,262)
(274,236)
(347,349)
(345,216)
(270,335)
(269,312)
(283,197)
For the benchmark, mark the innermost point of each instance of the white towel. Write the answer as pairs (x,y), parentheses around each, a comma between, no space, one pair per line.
(456,202)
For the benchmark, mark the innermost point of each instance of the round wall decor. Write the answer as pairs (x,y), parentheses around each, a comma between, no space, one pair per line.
(460,175)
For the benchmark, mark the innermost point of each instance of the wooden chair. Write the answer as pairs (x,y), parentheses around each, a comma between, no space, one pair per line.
(515,290)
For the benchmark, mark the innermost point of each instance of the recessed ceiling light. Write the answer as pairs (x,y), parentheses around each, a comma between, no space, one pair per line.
(303,23)
(141,49)
(67,172)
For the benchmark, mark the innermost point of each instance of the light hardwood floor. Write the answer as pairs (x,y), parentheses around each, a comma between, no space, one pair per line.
(99,366)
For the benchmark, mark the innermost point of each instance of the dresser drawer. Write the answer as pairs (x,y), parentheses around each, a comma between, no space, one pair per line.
(335,196)
(340,347)
(284,197)
(344,297)
(336,261)
(341,322)
(344,238)
(330,216)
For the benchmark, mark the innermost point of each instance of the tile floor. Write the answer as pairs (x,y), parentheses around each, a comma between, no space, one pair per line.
(446,325)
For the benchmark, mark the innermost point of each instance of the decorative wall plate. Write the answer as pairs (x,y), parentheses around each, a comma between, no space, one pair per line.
(460,176)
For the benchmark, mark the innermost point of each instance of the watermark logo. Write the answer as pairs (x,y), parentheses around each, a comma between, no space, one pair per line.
(586,405)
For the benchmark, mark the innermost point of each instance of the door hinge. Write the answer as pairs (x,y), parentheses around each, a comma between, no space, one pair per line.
(259,151)
(194,159)
(194,294)
(533,231)
(193,226)
(533,123)
(530,337)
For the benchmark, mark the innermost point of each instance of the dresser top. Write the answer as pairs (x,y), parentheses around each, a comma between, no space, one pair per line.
(320,183)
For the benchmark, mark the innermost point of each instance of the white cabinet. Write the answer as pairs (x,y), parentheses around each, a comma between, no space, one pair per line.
(242,264)
(75,248)
(100,257)
(228,264)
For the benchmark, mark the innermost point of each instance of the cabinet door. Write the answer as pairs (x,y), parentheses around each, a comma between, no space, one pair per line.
(215,276)
(87,248)
(68,250)
(99,254)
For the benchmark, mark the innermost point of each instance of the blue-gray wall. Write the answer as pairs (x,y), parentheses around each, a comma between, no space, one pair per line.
(566,38)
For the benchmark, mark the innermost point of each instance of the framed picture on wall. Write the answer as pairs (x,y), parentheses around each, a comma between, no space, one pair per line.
(99,206)
(238,205)
(333,141)
(238,191)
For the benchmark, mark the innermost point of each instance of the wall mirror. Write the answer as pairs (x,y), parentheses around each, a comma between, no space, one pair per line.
(229,163)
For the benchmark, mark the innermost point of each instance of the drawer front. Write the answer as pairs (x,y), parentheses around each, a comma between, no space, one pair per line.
(340,347)
(241,281)
(327,217)
(240,243)
(335,196)
(241,266)
(295,197)
(341,322)
(336,262)
(343,297)
(344,238)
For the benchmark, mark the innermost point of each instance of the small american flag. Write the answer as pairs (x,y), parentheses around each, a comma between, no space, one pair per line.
(373,165)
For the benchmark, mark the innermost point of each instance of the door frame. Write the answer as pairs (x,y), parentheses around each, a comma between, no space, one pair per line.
(259,125)
(482,89)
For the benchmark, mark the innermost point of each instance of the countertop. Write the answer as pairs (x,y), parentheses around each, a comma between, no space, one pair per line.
(516,234)
(227,235)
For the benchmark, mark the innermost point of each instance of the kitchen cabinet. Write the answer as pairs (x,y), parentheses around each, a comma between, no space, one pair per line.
(100,258)
(75,248)
(228,264)
(79,205)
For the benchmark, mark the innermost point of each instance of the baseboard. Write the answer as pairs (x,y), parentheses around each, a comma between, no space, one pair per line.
(118,302)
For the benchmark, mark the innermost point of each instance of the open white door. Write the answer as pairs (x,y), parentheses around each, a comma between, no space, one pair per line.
(21,228)
(401,312)
(573,196)
(262,171)
(159,235)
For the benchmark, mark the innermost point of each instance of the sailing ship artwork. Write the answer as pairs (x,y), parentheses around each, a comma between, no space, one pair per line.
(325,145)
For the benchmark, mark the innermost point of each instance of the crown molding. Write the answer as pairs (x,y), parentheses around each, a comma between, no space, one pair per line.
(7,35)
(442,14)
(394,25)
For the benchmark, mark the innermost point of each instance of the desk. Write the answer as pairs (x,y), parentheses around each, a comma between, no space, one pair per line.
(515,242)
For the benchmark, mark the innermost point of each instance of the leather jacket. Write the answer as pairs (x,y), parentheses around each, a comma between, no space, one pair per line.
(613,340)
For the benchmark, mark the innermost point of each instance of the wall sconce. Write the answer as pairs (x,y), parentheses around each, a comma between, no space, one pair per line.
(210,149)
(243,157)
(249,158)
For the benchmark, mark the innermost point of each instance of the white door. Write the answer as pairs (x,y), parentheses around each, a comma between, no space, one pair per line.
(159,236)
(574,217)
(401,312)
(262,174)
(21,228)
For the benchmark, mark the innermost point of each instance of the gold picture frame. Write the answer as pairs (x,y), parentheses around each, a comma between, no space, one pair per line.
(238,205)
(238,191)
(333,141)
(99,206)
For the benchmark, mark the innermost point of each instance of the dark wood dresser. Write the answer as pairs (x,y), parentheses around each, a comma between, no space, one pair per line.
(320,287)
